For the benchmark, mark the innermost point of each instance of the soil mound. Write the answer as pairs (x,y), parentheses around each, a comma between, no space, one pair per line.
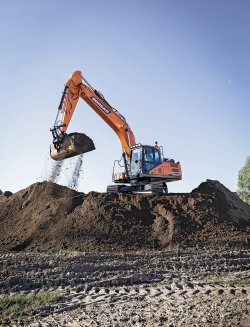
(50,217)
(234,208)
(35,215)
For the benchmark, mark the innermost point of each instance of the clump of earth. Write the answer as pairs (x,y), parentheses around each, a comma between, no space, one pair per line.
(49,217)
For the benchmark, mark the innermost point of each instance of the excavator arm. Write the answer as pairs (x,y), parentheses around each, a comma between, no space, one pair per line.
(77,87)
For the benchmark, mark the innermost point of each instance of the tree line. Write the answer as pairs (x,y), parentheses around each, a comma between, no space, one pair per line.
(244,182)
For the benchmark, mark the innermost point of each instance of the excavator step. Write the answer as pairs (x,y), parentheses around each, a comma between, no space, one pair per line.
(72,145)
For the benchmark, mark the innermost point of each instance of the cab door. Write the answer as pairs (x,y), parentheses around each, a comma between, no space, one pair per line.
(135,162)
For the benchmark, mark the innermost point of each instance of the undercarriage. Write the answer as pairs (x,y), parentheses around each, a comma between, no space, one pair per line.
(153,188)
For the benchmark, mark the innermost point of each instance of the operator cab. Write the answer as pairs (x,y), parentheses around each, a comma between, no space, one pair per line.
(143,159)
(146,170)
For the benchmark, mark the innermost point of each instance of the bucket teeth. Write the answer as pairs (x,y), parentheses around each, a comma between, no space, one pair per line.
(72,145)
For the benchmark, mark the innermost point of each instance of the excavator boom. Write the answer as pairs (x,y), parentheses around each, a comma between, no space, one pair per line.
(65,146)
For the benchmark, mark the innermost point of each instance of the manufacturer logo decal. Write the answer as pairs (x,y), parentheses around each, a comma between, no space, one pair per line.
(106,110)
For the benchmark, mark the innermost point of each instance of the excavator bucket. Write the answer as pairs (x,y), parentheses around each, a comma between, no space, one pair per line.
(73,145)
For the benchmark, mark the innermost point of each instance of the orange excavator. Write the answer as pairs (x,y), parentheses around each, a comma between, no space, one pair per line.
(144,166)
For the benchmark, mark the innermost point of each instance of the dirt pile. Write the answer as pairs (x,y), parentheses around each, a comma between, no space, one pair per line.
(49,217)
(35,215)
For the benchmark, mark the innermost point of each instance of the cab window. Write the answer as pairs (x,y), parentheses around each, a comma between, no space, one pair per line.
(151,158)
(157,157)
(149,155)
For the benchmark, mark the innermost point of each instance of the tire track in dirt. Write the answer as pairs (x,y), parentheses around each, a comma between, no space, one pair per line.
(147,289)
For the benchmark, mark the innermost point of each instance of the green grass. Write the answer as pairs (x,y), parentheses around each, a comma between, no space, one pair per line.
(66,252)
(15,306)
(232,282)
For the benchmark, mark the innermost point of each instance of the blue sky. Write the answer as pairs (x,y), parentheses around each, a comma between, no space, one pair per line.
(179,72)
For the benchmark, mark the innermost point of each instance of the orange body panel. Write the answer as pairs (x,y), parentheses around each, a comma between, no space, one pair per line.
(167,168)
(76,89)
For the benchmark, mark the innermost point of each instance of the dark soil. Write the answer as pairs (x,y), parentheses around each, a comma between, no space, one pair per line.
(50,217)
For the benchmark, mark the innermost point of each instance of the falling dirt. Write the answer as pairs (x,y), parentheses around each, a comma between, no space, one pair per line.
(68,172)
(76,173)
(50,217)
(72,148)
(56,169)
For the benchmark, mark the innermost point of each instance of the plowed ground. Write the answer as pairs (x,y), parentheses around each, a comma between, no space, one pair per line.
(167,288)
